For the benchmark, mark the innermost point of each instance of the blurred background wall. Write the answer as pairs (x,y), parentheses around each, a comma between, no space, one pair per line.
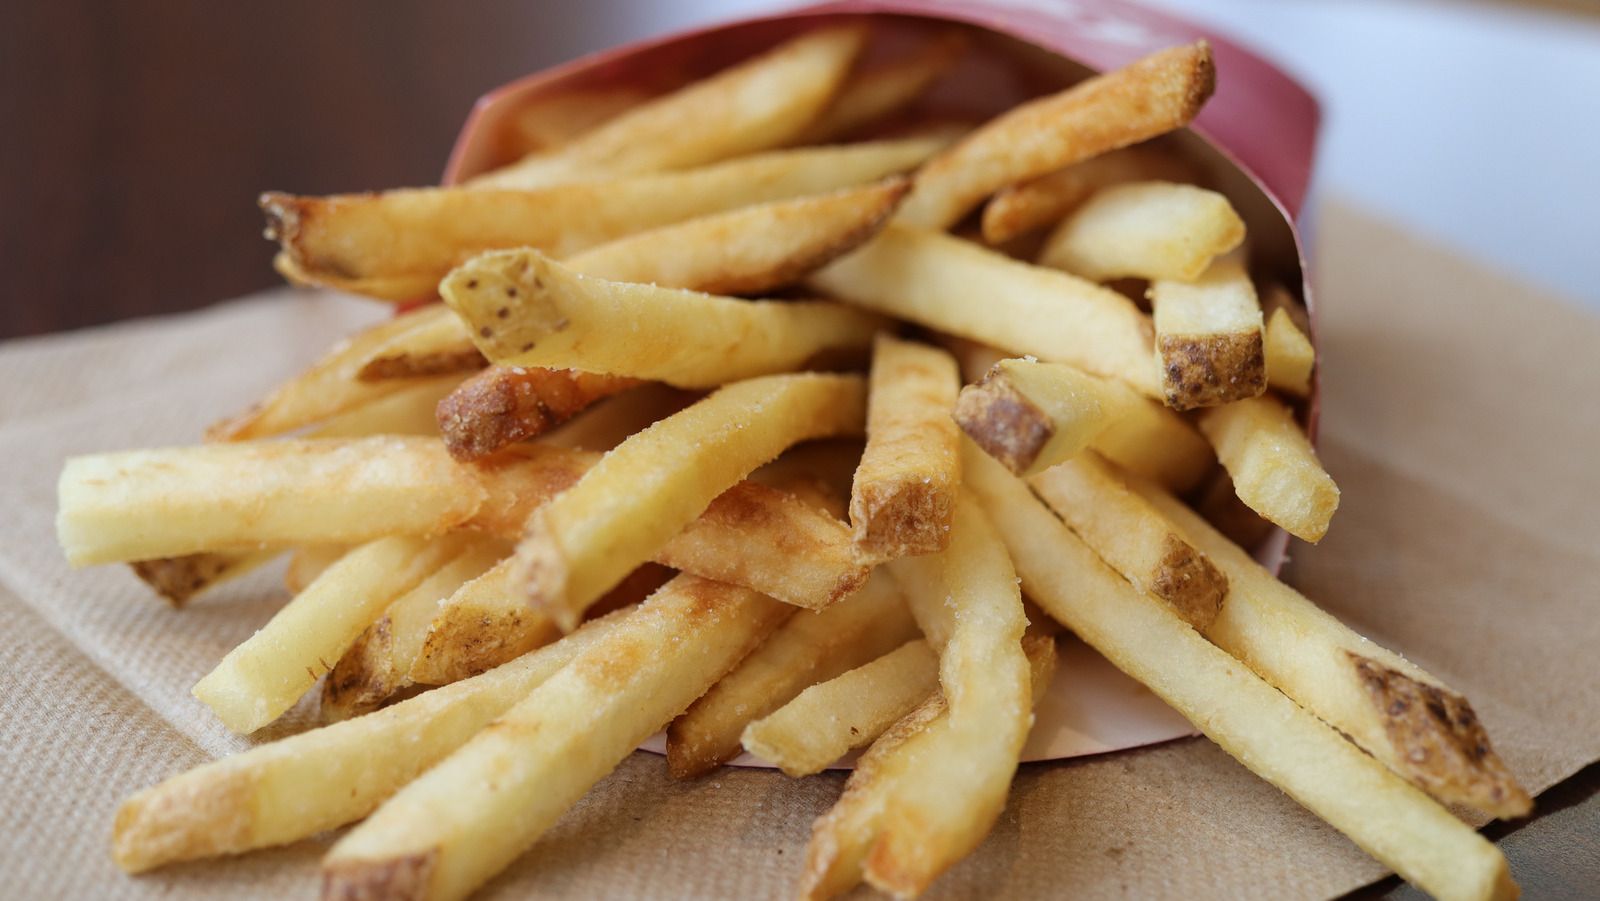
(135,136)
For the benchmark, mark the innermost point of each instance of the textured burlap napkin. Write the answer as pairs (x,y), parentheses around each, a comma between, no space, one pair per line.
(1458,421)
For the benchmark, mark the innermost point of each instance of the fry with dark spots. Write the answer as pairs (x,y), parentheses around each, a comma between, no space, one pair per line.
(505,404)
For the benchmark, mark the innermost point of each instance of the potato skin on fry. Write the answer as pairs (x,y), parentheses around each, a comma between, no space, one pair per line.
(505,404)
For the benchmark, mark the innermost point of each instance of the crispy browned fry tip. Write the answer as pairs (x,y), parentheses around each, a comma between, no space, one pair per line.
(503,405)
(1003,422)
(363,678)
(178,579)
(411,366)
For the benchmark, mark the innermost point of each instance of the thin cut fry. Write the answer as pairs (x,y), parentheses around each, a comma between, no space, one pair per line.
(1155,95)
(848,711)
(1127,533)
(1031,416)
(527,310)
(408,411)
(905,485)
(1145,229)
(503,405)
(261,678)
(652,485)
(809,648)
(1406,718)
(1043,201)
(1290,356)
(310,561)
(1208,337)
(929,278)
(873,94)
(1274,468)
(761,103)
(452,829)
(1251,720)
(292,789)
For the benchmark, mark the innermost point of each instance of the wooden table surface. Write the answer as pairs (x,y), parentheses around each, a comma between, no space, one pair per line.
(134,139)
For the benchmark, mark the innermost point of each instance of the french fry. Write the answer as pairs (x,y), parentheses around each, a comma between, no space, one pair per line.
(905,485)
(552,121)
(848,711)
(653,484)
(1274,468)
(179,579)
(423,350)
(842,838)
(408,411)
(609,422)
(1145,229)
(750,250)
(830,464)
(967,602)
(261,678)
(807,649)
(166,502)
(485,624)
(396,245)
(294,788)
(308,562)
(761,103)
(875,93)
(928,278)
(452,829)
(1251,720)
(1131,536)
(1208,337)
(379,663)
(1021,208)
(1407,719)
(526,310)
(1155,95)
(503,405)
(327,388)
(1290,356)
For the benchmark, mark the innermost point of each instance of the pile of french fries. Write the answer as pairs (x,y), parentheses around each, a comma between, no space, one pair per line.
(778,443)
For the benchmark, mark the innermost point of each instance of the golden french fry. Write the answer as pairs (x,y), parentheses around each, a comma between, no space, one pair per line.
(452,829)
(928,278)
(428,348)
(549,122)
(877,92)
(1130,535)
(809,648)
(1407,719)
(503,405)
(408,411)
(179,579)
(396,245)
(1145,229)
(1290,356)
(848,711)
(329,387)
(967,602)
(750,250)
(308,562)
(761,103)
(1021,208)
(1208,337)
(292,789)
(653,484)
(1274,468)
(261,678)
(609,422)
(379,663)
(905,485)
(1155,95)
(1251,720)
(527,310)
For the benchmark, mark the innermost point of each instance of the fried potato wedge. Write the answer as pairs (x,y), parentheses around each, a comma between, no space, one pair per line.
(1274,468)
(1022,208)
(658,481)
(527,310)
(396,245)
(906,483)
(1208,337)
(1406,718)
(1145,229)
(1130,535)
(809,648)
(874,93)
(761,103)
(750,250)
(849,711)
(261,678)
(1254,722)
(449,831)
(928,278)
(291,789)
(506,404)
(1153,96)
